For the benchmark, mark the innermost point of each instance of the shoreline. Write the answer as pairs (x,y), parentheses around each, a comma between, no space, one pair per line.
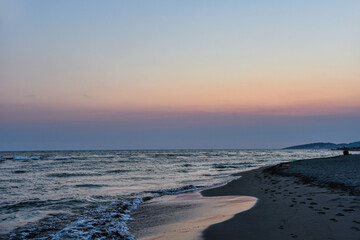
(186,215)
(287,207)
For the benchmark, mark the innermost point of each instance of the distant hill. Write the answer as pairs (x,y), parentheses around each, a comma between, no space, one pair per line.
(322,145)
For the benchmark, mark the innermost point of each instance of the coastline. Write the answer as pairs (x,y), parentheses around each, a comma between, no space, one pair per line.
(287,207)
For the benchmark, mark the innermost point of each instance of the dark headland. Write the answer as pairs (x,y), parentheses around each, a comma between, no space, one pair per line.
(327,145)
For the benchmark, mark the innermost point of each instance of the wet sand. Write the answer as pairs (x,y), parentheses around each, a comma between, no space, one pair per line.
(185,216)
(288,206)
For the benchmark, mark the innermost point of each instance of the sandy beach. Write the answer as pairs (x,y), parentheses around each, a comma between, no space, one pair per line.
(293,201)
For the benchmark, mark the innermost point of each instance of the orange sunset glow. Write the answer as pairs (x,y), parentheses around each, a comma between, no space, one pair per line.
(215,59)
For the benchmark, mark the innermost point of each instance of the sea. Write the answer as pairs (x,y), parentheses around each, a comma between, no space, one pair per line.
(91,194)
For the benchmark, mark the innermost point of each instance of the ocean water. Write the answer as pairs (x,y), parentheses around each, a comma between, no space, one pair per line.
(90,194)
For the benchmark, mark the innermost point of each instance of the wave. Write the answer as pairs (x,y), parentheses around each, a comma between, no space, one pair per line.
(165,155)
(108,156)
(35,203)
(118,171)
(65,175)
(231,166)
(26,158)
(90,185)
(171,191)
(20,158)
(68,158)
(104,222)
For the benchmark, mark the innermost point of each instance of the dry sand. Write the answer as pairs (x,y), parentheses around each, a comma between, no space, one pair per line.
(288,207)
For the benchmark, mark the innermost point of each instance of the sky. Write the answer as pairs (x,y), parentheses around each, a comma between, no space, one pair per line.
(178,74)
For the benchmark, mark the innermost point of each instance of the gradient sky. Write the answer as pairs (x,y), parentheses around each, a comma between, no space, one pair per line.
(178,74)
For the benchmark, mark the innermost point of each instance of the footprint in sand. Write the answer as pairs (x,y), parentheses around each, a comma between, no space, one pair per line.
(293,235)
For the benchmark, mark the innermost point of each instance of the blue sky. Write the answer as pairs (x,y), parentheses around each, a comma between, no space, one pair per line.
(178,74)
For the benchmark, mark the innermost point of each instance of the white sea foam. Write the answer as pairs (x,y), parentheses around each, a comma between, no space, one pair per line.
(104,222)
